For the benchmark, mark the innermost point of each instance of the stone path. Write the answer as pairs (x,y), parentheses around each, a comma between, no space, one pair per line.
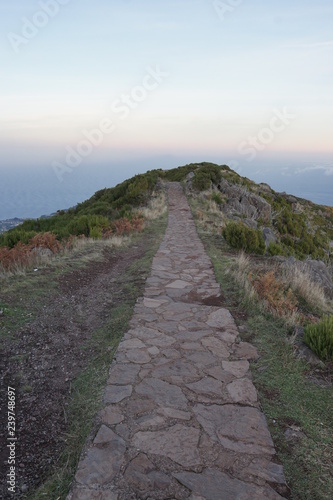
(181,417)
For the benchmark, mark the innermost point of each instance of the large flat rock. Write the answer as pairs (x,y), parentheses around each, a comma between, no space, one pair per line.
(240,429)
(215,485)
(179,443)
(162,393)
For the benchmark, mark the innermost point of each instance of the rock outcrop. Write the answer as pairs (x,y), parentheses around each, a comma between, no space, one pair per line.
(241,202)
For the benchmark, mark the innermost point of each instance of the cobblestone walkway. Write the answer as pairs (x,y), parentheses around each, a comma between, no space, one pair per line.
(181,417)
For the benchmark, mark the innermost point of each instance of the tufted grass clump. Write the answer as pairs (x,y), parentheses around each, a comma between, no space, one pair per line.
(319,337)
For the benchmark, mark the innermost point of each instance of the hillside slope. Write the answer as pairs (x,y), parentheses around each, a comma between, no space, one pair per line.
(288,225)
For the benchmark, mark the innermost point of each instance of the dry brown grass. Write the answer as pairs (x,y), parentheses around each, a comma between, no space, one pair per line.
(156,207)
(301,283)
(290,293)
(86,249)
(275,295)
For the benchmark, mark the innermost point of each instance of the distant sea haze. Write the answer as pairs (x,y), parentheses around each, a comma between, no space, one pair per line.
(32,193)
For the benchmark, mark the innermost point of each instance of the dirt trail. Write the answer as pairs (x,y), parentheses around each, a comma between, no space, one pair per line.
(47,354)
(181,417)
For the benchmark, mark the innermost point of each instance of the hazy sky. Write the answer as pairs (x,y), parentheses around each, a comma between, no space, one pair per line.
(88,85)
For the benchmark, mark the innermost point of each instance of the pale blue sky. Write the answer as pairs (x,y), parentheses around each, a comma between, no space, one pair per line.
(227,77)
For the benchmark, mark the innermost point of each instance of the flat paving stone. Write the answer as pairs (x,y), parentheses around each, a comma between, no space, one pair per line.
(216,347)
(177,372)
(111,416)
(116,393)
(240,429)
(101,465)
(220,319)
(138,356)
(242,391)
(162,393)
(208,386)
(131,344)
(236,368)
(179,443)
(123,374)
(244,350)
(181,420)
(172,413)
(215,485)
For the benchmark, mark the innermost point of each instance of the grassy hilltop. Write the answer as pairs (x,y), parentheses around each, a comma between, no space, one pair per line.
(298,227)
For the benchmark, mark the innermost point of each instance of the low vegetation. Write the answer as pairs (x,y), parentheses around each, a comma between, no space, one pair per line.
(319,338)
(240,236)
(296,397)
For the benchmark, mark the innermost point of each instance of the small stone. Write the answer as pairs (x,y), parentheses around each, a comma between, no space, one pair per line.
(268,471)
(221,319)
(242,391)
(111,416)
(153,351)
(131,344)
(217,347)
(244,350)
(138,356)
(293,434)
(101,465)
(236,368)
(104,435)
(227,337)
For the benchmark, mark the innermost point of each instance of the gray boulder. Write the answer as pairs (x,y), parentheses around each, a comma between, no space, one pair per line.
(269,236)
(320,273)
(243,202)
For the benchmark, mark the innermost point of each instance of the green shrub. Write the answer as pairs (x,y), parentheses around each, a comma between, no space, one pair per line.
(275,249)
(217,198)
(205,175)
(244,238)
(319,338)
(95,233)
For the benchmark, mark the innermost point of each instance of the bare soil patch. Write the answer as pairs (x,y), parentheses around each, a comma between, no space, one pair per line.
(42,358)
